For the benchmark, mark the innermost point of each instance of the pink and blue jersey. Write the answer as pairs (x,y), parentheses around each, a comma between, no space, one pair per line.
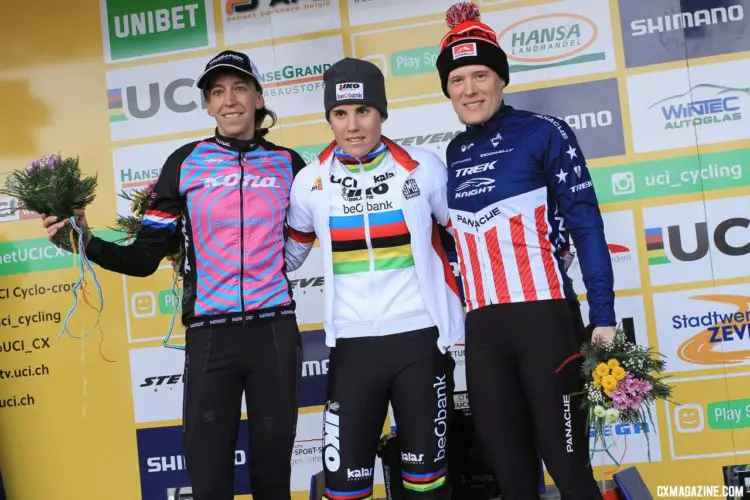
(225,202)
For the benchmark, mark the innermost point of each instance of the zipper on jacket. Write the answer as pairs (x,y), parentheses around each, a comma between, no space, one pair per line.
(242,237)
(368,239)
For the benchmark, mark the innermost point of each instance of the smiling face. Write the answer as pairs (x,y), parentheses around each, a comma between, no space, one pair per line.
(357,128)
(232,100)
(475,92)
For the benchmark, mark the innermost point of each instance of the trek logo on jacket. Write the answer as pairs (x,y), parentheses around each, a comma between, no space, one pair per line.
(376,220)
(518,186)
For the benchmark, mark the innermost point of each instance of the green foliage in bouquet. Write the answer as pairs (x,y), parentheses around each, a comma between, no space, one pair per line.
(54,186)
(139,202)
(622,381)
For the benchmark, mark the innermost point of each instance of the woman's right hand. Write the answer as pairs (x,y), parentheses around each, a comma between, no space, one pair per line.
(53,225)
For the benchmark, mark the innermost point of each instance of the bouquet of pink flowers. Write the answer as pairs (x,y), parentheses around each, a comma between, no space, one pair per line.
(622,381)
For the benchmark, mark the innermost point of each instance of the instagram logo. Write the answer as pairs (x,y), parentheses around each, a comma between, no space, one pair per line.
(623,183)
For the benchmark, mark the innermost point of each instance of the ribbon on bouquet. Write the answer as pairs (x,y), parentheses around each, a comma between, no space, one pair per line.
(84,264)
(176,295)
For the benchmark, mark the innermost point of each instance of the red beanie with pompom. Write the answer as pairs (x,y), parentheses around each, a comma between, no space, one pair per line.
(469,42)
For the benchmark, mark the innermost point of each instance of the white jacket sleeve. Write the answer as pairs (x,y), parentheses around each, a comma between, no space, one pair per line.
(300,226)
(439,193)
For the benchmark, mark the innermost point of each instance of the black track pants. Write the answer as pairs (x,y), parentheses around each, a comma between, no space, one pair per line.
(363,375)
(263,359)
(521,408)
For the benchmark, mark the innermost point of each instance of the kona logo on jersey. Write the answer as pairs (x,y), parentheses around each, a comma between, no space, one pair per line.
(464,50)
(477,169)
(355,474)
(412,458)
(682,20)
(441,426)
(331,445)
(473,187)
(231,180)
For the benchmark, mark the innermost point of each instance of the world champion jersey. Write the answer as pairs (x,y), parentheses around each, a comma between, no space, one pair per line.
(518,188)
(224,202)
(373,263)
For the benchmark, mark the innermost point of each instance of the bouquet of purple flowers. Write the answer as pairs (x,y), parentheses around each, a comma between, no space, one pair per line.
(52,185)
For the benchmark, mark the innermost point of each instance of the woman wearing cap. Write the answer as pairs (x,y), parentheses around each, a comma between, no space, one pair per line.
(530,186)
(392,308)
(227,195)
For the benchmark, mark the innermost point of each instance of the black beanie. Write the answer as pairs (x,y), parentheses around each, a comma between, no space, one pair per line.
(354,81)
(469,42)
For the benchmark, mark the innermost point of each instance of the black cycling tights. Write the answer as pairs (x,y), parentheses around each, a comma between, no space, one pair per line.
(521,408)
(363,375)
(264,360)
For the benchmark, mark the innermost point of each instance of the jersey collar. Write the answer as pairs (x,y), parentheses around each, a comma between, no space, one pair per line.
(399,154)
(493,121)
(235,144)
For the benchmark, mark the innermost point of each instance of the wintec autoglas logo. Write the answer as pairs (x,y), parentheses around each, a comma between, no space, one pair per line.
(138,28)
(550,40)
(720,104)
(679,251)
(719,332)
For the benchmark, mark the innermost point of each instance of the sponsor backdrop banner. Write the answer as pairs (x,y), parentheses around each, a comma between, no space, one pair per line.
(657,93)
